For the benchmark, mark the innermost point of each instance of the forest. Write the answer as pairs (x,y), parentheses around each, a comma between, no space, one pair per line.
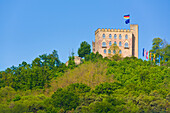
(97,85)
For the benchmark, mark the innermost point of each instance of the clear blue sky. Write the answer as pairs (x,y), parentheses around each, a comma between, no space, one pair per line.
(29,28)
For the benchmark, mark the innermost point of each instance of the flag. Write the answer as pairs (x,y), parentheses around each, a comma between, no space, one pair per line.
(143,52)
(154,57)
(147,55)
(127,21)
(126,16)
(150,55)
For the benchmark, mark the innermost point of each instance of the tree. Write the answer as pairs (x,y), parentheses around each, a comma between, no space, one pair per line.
(93,57)
(71,62)
(51,60)
(65,99)
(160,48)
(116,55)
(107,88)
(157,44)
(84,49)
(78,88)
(166,52)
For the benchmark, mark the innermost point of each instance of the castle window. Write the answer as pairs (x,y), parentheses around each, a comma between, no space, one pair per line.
(120,43)
(120,36)
(115,36)
(115,43)
(105,51)
(103,35)
(109,51)
(110,36)
(126,36)
(126,45)
(110,43)
(120,52)
(104,44)
(114,51)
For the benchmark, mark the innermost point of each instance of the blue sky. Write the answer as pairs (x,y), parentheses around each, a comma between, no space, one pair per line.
(29,28)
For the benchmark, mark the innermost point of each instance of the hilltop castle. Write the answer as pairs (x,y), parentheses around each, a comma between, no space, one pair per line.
(126,40)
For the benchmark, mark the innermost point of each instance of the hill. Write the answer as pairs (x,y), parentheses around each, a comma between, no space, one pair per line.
(98,85)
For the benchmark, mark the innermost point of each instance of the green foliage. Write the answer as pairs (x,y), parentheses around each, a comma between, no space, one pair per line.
(78,88)
(36,75)
(51,60)
(7,94)
(99,85)
(71,62)
(107,88)
(65,99)
(84,49)
(156,44)
(160,48)
(138,75)
(17,97)
(116,57)
(101,107)
(166,53)
(93,57)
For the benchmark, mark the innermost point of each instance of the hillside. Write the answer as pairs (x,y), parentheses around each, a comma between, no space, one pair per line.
(90,73)
(97,86)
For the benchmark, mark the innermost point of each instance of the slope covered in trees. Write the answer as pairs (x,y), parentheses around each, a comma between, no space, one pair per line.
(128,85)
(98,85)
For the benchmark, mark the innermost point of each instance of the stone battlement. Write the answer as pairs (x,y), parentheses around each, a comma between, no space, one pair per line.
(125,39)
(111,30)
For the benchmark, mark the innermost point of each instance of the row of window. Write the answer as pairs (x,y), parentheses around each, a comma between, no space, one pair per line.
(115,43)
(109,51)
(115,36)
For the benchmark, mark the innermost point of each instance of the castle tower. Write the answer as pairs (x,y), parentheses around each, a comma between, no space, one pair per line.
(134,30)
(126,40)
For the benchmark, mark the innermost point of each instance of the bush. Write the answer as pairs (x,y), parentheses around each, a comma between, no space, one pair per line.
(17,97)
(78,88)
(107,88)
(65,99)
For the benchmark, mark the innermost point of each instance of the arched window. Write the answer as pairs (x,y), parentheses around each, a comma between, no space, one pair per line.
(126,45)
(110,36)
(109,51)
(126,36)
(120,36)
(103,35)
(105,51)
(115,36)
(120,43)
(120,51)
(114,51)
(115,43)
(104,44)
(110,43)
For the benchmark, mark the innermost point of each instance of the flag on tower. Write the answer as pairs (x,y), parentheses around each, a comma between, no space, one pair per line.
(127,21)
(126,16)
(143,52)
(150,55)
(147,55)
(154,57)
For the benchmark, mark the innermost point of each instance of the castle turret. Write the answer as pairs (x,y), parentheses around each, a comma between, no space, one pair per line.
(134,30)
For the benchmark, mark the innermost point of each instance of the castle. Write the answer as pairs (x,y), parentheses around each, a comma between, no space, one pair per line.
(126,40)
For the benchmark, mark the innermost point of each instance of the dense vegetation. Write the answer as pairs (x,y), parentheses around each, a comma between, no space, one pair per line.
(98,85)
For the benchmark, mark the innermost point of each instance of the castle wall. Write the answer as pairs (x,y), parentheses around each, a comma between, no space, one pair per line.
(97,45)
